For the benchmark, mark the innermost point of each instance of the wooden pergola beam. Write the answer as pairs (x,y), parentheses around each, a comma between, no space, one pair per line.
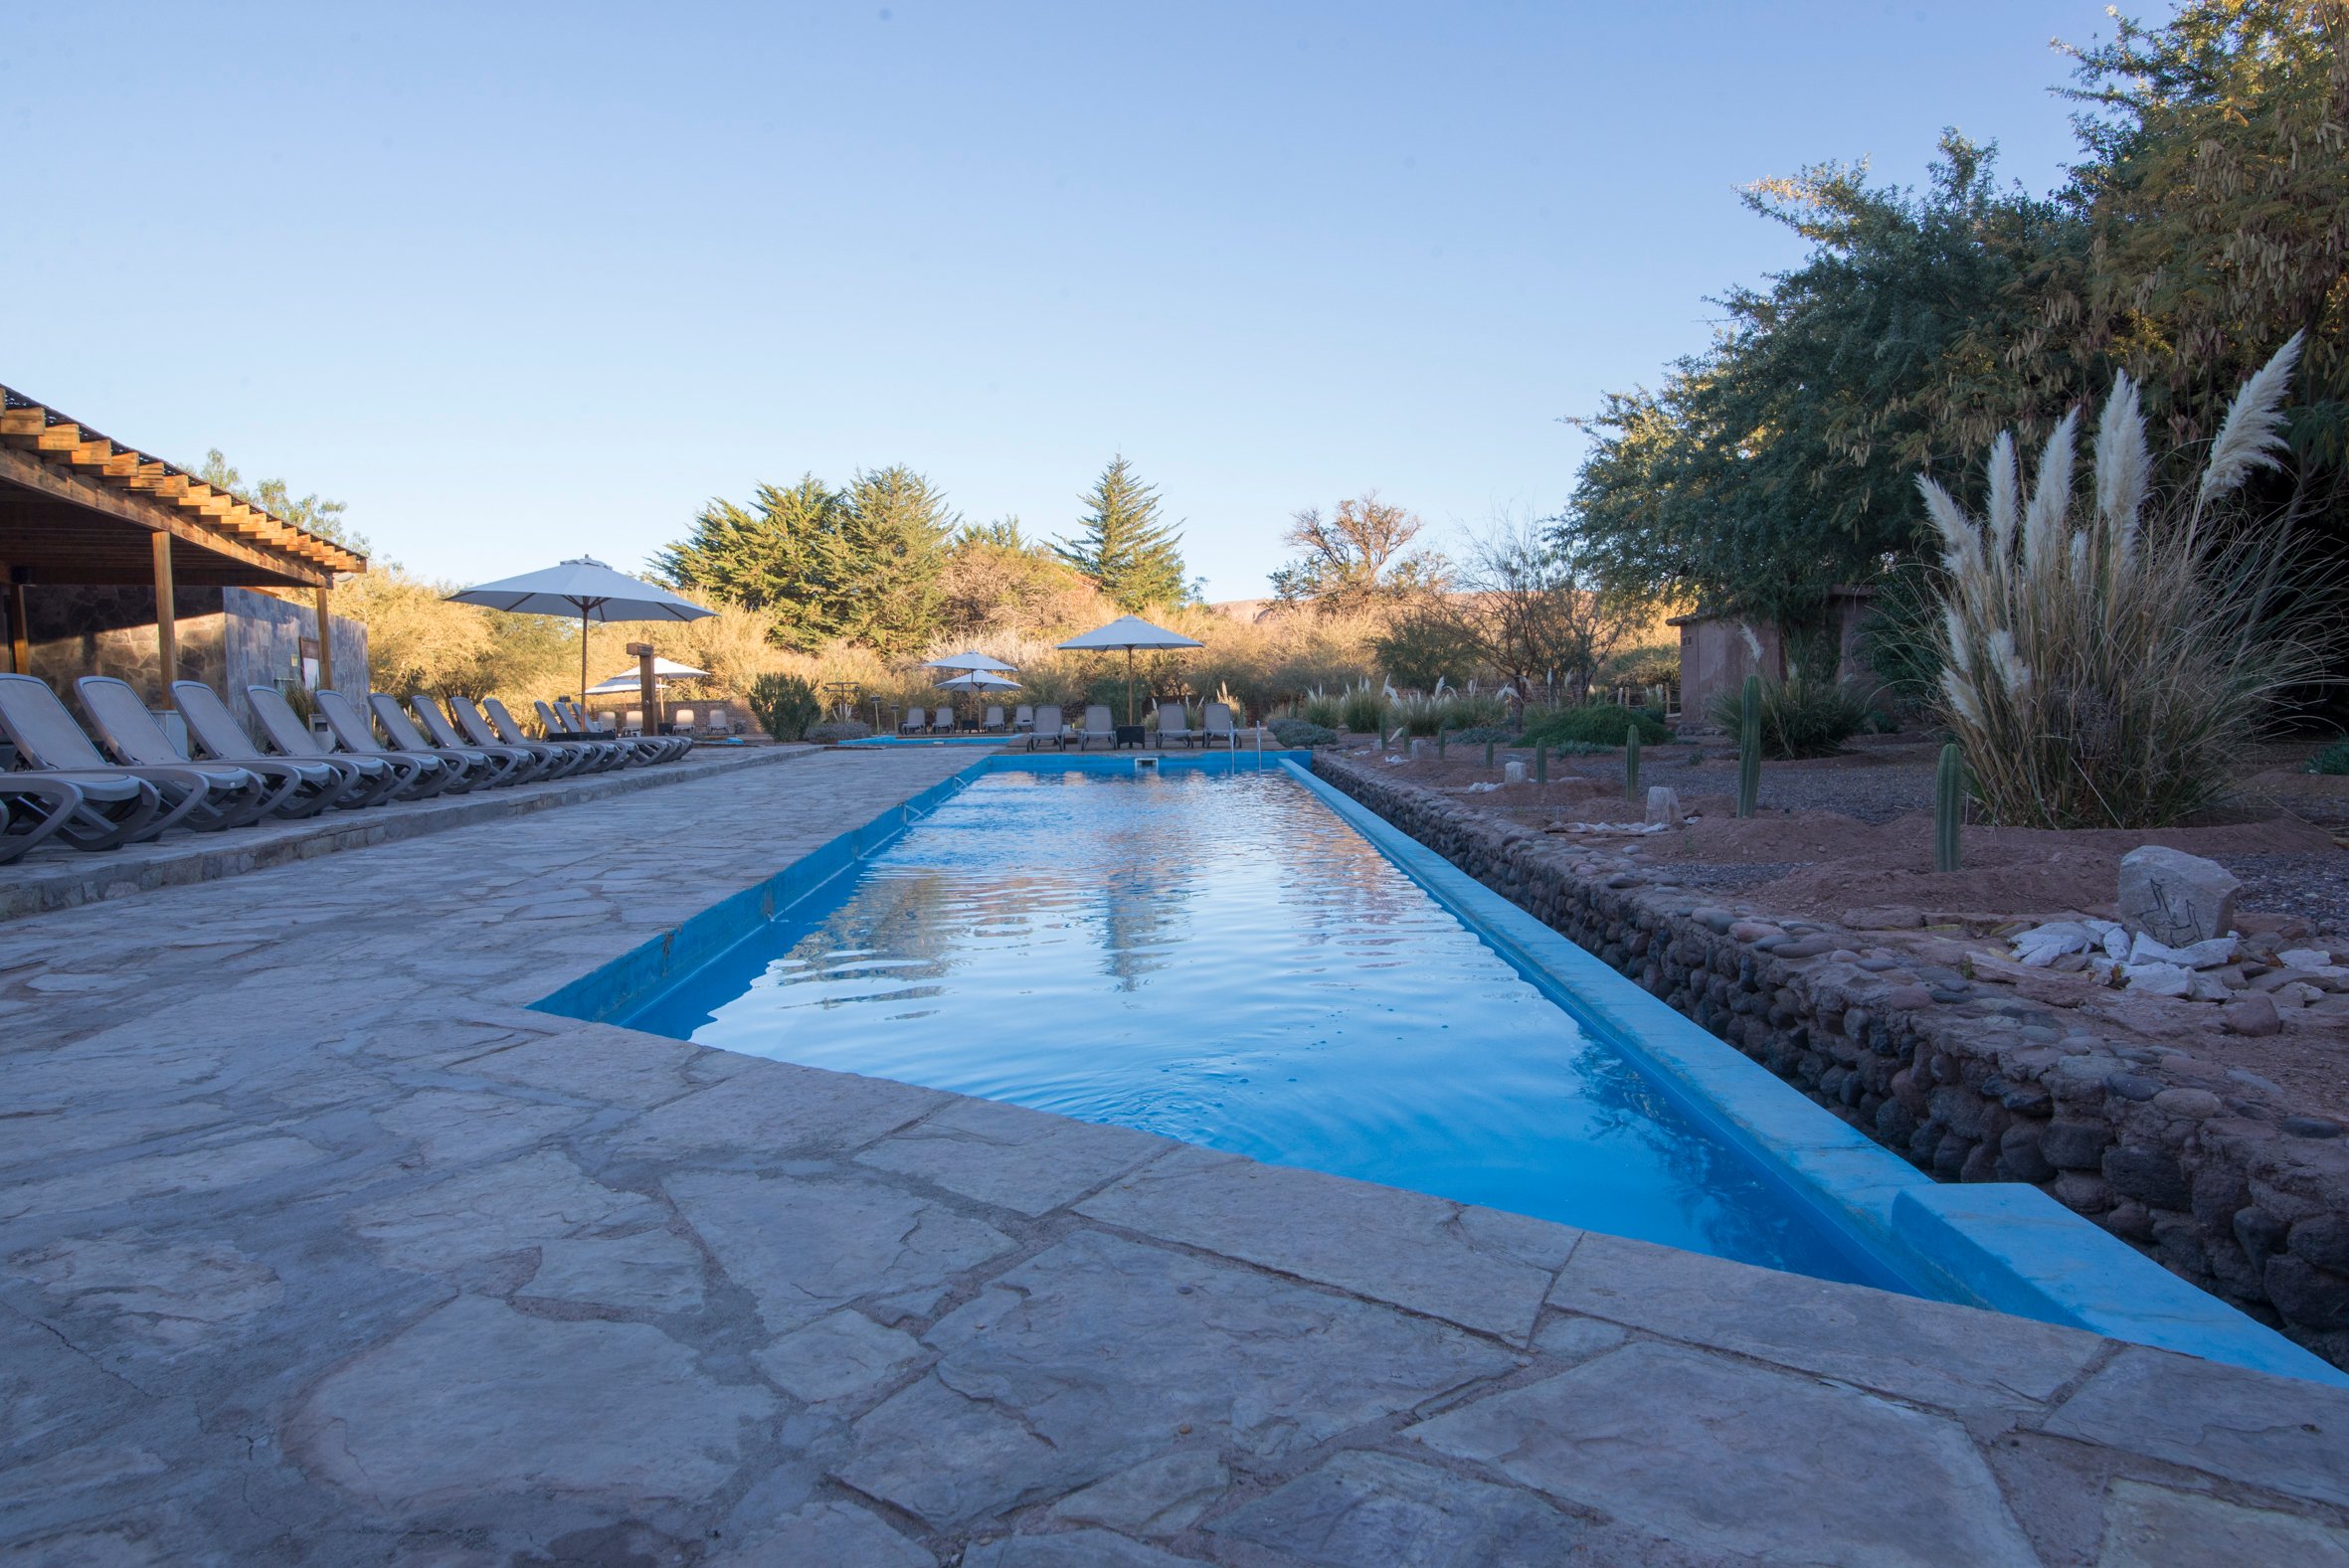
(73,490)
(41,431)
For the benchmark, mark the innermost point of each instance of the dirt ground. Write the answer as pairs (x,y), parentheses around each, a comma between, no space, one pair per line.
(1855,832)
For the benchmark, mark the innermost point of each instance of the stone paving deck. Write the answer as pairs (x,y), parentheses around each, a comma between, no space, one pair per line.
(316,1246)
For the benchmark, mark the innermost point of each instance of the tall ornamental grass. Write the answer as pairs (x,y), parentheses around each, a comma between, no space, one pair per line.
(2105,662)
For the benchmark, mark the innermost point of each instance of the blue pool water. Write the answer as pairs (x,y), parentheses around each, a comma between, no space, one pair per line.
(1224,960)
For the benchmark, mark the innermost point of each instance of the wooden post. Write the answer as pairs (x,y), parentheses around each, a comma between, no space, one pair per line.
(646,687)
(325,640)
(166,622)
(20,632)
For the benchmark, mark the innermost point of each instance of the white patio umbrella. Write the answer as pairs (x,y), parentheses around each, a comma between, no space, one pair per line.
(971,661)
(979,680)
(586,587)
(664,671)
(1128,633)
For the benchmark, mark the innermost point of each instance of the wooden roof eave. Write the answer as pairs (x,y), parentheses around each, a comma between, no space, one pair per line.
(158,515)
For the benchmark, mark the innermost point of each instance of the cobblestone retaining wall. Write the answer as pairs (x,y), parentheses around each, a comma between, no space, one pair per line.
(2219,1182)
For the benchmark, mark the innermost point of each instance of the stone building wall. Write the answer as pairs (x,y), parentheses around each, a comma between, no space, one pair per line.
(1715,656)
(2218,1181)
(83,630)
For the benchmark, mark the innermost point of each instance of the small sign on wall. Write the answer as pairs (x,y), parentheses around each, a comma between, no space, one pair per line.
(309,663)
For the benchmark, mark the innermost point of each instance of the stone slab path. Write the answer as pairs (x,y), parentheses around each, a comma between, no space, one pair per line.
(316,1246)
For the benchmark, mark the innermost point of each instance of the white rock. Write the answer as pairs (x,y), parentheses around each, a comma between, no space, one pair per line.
(1514,772)
(2304,959)
(2207,955)
(1663,805)
(2208,989)
(2158,980)
(2176,897)
(2044,944)
(2296,994)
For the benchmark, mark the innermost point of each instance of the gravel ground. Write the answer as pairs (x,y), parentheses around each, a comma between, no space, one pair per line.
(1889,776)
(1726,879)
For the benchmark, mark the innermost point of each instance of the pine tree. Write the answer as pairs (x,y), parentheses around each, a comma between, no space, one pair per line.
(893,535)
(785,554)
(1135,559)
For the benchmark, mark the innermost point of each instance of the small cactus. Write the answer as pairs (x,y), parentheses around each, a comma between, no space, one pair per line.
(1488,754)
(1949,806)
(1631,762)
(1440,737)
(1749,748)
(1541,764)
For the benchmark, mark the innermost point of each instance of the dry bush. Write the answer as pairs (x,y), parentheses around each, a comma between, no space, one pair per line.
(2106,666)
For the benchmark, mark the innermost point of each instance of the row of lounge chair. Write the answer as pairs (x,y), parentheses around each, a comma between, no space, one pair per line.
(1046,723)
(1215,727)
(133,782)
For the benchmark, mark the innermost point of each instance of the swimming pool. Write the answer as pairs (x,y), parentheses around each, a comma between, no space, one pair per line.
(1109,946)
(1221,960)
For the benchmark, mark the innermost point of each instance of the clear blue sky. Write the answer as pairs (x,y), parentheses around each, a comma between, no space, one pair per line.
(517,280)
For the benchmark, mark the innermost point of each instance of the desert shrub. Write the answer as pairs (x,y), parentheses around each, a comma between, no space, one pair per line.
(1654,665)
(1465,710)
(1363,707)
(837,731)
(1302,733)
(1417,715)
(1801,716)
(1479,734)
(1323,709)
(1898,636)
(783,705)
(2335,759)
(1601,724)
(2105,665)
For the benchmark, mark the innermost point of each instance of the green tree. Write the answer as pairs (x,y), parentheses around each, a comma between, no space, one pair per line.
(2216,183)
(894,527)
(1136,559)
(1358,556)
(1782,460)
(785,554)
(310,513)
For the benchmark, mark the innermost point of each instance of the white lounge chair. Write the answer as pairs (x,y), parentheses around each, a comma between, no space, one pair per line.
(1175,725)
(120,806)
(647,747)
(527,767)
(1099,725)
(238,792)
(1216,723)
(994,719)
(1047,728)
(594,757)
(916,720)
(356,737)
(409,775)
(554,762)
(334,781)
(1023,719)
(36,807)
(493,766)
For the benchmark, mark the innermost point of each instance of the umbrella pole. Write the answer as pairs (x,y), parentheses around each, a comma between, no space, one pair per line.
(583,708)
(1129,686)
